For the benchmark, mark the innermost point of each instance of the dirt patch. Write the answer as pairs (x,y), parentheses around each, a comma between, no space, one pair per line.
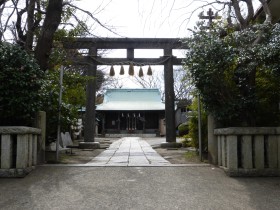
(179,156)
(79,156)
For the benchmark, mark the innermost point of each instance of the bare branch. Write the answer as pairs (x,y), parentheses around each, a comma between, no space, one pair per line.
(90,15)
(21,37)
(250,9)
(237,10)
(4,28)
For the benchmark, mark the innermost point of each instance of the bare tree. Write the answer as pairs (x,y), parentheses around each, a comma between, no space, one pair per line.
(33,24)
(182,86)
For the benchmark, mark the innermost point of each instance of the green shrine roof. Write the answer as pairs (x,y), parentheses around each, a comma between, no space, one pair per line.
(131,99)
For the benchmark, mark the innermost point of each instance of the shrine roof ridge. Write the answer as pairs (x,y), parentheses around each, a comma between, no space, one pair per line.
(132,99)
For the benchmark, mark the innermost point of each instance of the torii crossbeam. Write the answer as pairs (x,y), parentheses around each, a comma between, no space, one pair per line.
(92,60)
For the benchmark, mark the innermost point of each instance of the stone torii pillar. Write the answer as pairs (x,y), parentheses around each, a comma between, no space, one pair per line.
(89,129)
(169,101)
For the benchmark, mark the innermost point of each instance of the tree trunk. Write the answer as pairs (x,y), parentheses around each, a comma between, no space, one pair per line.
(50,25)
(266,9)
(30,25)
(244,22)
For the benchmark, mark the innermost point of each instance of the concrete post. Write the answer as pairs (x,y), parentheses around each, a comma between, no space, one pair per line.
(40,122)
(212,141)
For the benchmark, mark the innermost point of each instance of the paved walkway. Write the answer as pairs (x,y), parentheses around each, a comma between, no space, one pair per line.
(129,151)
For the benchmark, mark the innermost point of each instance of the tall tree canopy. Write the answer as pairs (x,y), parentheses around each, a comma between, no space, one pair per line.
(236,68)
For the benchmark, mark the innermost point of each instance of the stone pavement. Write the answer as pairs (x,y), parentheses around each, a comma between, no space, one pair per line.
(129,151)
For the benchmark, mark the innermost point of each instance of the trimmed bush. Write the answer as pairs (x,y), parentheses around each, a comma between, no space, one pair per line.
(183,129)
(20,84)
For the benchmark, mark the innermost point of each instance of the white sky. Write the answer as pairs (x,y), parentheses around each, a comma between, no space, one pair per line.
(145,19)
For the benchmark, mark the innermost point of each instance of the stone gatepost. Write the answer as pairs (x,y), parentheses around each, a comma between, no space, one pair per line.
(89,135)
(40,122)
(212,141)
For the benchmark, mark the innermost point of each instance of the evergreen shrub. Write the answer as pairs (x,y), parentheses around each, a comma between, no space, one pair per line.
(20,84)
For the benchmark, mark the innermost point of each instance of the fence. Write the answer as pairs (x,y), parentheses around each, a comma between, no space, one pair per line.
(249,151)
(18,150)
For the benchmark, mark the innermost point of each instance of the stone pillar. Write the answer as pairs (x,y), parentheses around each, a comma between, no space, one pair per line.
(22,151)
(30,150)
(169,102)
(278,142)
(224,151)
(6,152)
(89,133)
(246,151)
(40,122)
(220,150)
(259,150)
(212,141)
(34,149)
(232,158)
(272,150)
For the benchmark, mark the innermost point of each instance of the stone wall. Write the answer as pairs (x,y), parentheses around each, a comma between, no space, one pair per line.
(18,150)
(249,151)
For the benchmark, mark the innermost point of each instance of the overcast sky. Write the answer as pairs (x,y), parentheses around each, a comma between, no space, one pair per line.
(147,18)
(143,18)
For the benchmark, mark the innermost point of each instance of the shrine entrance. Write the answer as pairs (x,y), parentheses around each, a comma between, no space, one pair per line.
(92,60)
(125,122)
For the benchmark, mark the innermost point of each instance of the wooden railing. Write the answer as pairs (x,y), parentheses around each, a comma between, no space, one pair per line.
(18,150)
(253,151)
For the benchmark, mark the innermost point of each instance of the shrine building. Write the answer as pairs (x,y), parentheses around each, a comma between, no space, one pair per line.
(132,112)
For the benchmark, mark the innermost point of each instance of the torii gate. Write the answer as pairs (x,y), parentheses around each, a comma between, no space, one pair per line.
(92,60)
